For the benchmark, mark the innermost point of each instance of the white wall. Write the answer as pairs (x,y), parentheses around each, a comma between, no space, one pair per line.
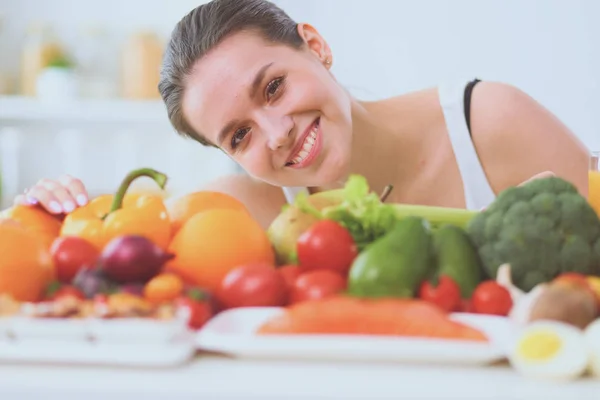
(549,48)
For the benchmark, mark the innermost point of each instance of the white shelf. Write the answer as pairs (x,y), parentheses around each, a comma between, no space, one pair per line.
(25,109)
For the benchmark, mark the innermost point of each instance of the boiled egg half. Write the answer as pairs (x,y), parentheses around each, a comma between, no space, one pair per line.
(549,350)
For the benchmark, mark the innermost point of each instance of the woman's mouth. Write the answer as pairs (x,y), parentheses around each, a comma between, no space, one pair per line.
(309,147)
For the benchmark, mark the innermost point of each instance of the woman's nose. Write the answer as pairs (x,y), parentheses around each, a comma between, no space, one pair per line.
(280,133)
(278,140)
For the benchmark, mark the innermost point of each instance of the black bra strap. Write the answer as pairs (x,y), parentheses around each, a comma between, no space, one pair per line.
(467,101)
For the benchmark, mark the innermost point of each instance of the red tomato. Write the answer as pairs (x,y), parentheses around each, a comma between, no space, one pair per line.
(326,245)
(199,306)
(446,294)
(290,273)
(491,298)
(252,285)
(314,285)
(70,254)
(65,291)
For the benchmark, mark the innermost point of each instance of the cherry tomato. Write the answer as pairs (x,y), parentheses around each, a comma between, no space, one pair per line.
(57,291)
(491,298)
(252,285)
(290,273)
(326,245)
(445,294)
(70,254)
(198,305)
(314,285)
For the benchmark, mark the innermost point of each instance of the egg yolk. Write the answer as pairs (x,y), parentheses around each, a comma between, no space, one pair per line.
(539,346)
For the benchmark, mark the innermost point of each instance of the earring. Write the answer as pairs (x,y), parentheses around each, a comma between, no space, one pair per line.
(328,62)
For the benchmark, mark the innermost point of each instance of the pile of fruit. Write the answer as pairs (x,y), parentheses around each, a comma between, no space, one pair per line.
(127,255)
(341,261)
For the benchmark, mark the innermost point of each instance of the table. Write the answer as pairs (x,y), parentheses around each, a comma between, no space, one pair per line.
(216,377)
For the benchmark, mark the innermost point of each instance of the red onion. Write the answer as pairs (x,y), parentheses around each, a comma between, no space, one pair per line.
(132,259)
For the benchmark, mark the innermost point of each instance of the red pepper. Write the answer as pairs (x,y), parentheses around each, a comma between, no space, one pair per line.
(199,307)
(445,293)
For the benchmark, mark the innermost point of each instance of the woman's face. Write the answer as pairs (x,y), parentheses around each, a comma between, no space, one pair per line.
(275,110)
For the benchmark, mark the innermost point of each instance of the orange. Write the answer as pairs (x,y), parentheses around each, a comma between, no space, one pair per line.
(185,207)
(213,242)
(26,267)
(35,219)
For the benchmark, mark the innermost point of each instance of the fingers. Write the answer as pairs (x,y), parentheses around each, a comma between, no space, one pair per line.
(75,188)
(57,197)
(50,196)
(541,175)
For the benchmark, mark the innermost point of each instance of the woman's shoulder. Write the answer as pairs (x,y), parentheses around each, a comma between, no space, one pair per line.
(264,201)
(518,137)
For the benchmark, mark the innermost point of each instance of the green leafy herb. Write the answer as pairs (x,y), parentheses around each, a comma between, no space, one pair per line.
(361,212)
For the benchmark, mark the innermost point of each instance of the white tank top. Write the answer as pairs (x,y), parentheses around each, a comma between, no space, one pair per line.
(477,189)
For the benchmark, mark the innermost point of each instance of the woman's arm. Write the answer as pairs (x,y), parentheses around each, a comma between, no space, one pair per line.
(517,138)
(262,200)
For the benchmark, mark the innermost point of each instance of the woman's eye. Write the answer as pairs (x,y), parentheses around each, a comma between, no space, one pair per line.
(238,136)
(273,87)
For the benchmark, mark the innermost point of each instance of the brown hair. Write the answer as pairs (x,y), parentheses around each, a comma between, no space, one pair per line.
(200,31)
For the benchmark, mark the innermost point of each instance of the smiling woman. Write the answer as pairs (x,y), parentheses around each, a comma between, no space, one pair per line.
(242,76)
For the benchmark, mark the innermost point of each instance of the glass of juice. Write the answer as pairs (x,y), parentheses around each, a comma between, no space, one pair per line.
(594,181)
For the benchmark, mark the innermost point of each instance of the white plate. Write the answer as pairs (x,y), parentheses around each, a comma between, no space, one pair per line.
(123,342)
(40,351)
(123,330)
(47,328)
(136,330)
(233,333)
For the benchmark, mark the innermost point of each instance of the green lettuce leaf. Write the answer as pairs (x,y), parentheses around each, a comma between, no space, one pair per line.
(361,212)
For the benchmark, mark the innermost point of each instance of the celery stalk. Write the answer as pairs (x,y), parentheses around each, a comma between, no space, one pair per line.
(437,216)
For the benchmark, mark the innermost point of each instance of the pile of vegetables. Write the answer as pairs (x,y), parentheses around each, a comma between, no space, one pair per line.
(348,242)
(453,259)
(541,229)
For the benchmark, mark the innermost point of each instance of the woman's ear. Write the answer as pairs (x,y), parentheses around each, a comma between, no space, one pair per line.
(315,42)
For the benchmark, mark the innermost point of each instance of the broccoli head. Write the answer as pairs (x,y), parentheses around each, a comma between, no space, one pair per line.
(542,229)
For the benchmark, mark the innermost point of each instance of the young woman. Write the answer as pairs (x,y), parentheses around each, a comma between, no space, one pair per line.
(242,76)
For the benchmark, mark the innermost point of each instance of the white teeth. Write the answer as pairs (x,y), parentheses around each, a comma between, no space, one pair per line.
(306,146)
(303,153)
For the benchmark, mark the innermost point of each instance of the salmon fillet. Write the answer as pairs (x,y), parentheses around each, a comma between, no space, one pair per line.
(352,316)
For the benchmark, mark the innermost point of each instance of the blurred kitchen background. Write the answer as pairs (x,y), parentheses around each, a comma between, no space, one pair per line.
(78,78)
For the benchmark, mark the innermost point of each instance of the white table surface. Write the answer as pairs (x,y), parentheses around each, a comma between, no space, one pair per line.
(214,377)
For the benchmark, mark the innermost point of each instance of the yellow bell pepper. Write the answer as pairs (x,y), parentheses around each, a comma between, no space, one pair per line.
(110,216)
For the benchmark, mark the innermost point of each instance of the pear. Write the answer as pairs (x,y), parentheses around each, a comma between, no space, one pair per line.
(292,222)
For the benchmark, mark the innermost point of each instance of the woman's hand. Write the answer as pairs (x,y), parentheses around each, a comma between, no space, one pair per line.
(59,196)
(541,175)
